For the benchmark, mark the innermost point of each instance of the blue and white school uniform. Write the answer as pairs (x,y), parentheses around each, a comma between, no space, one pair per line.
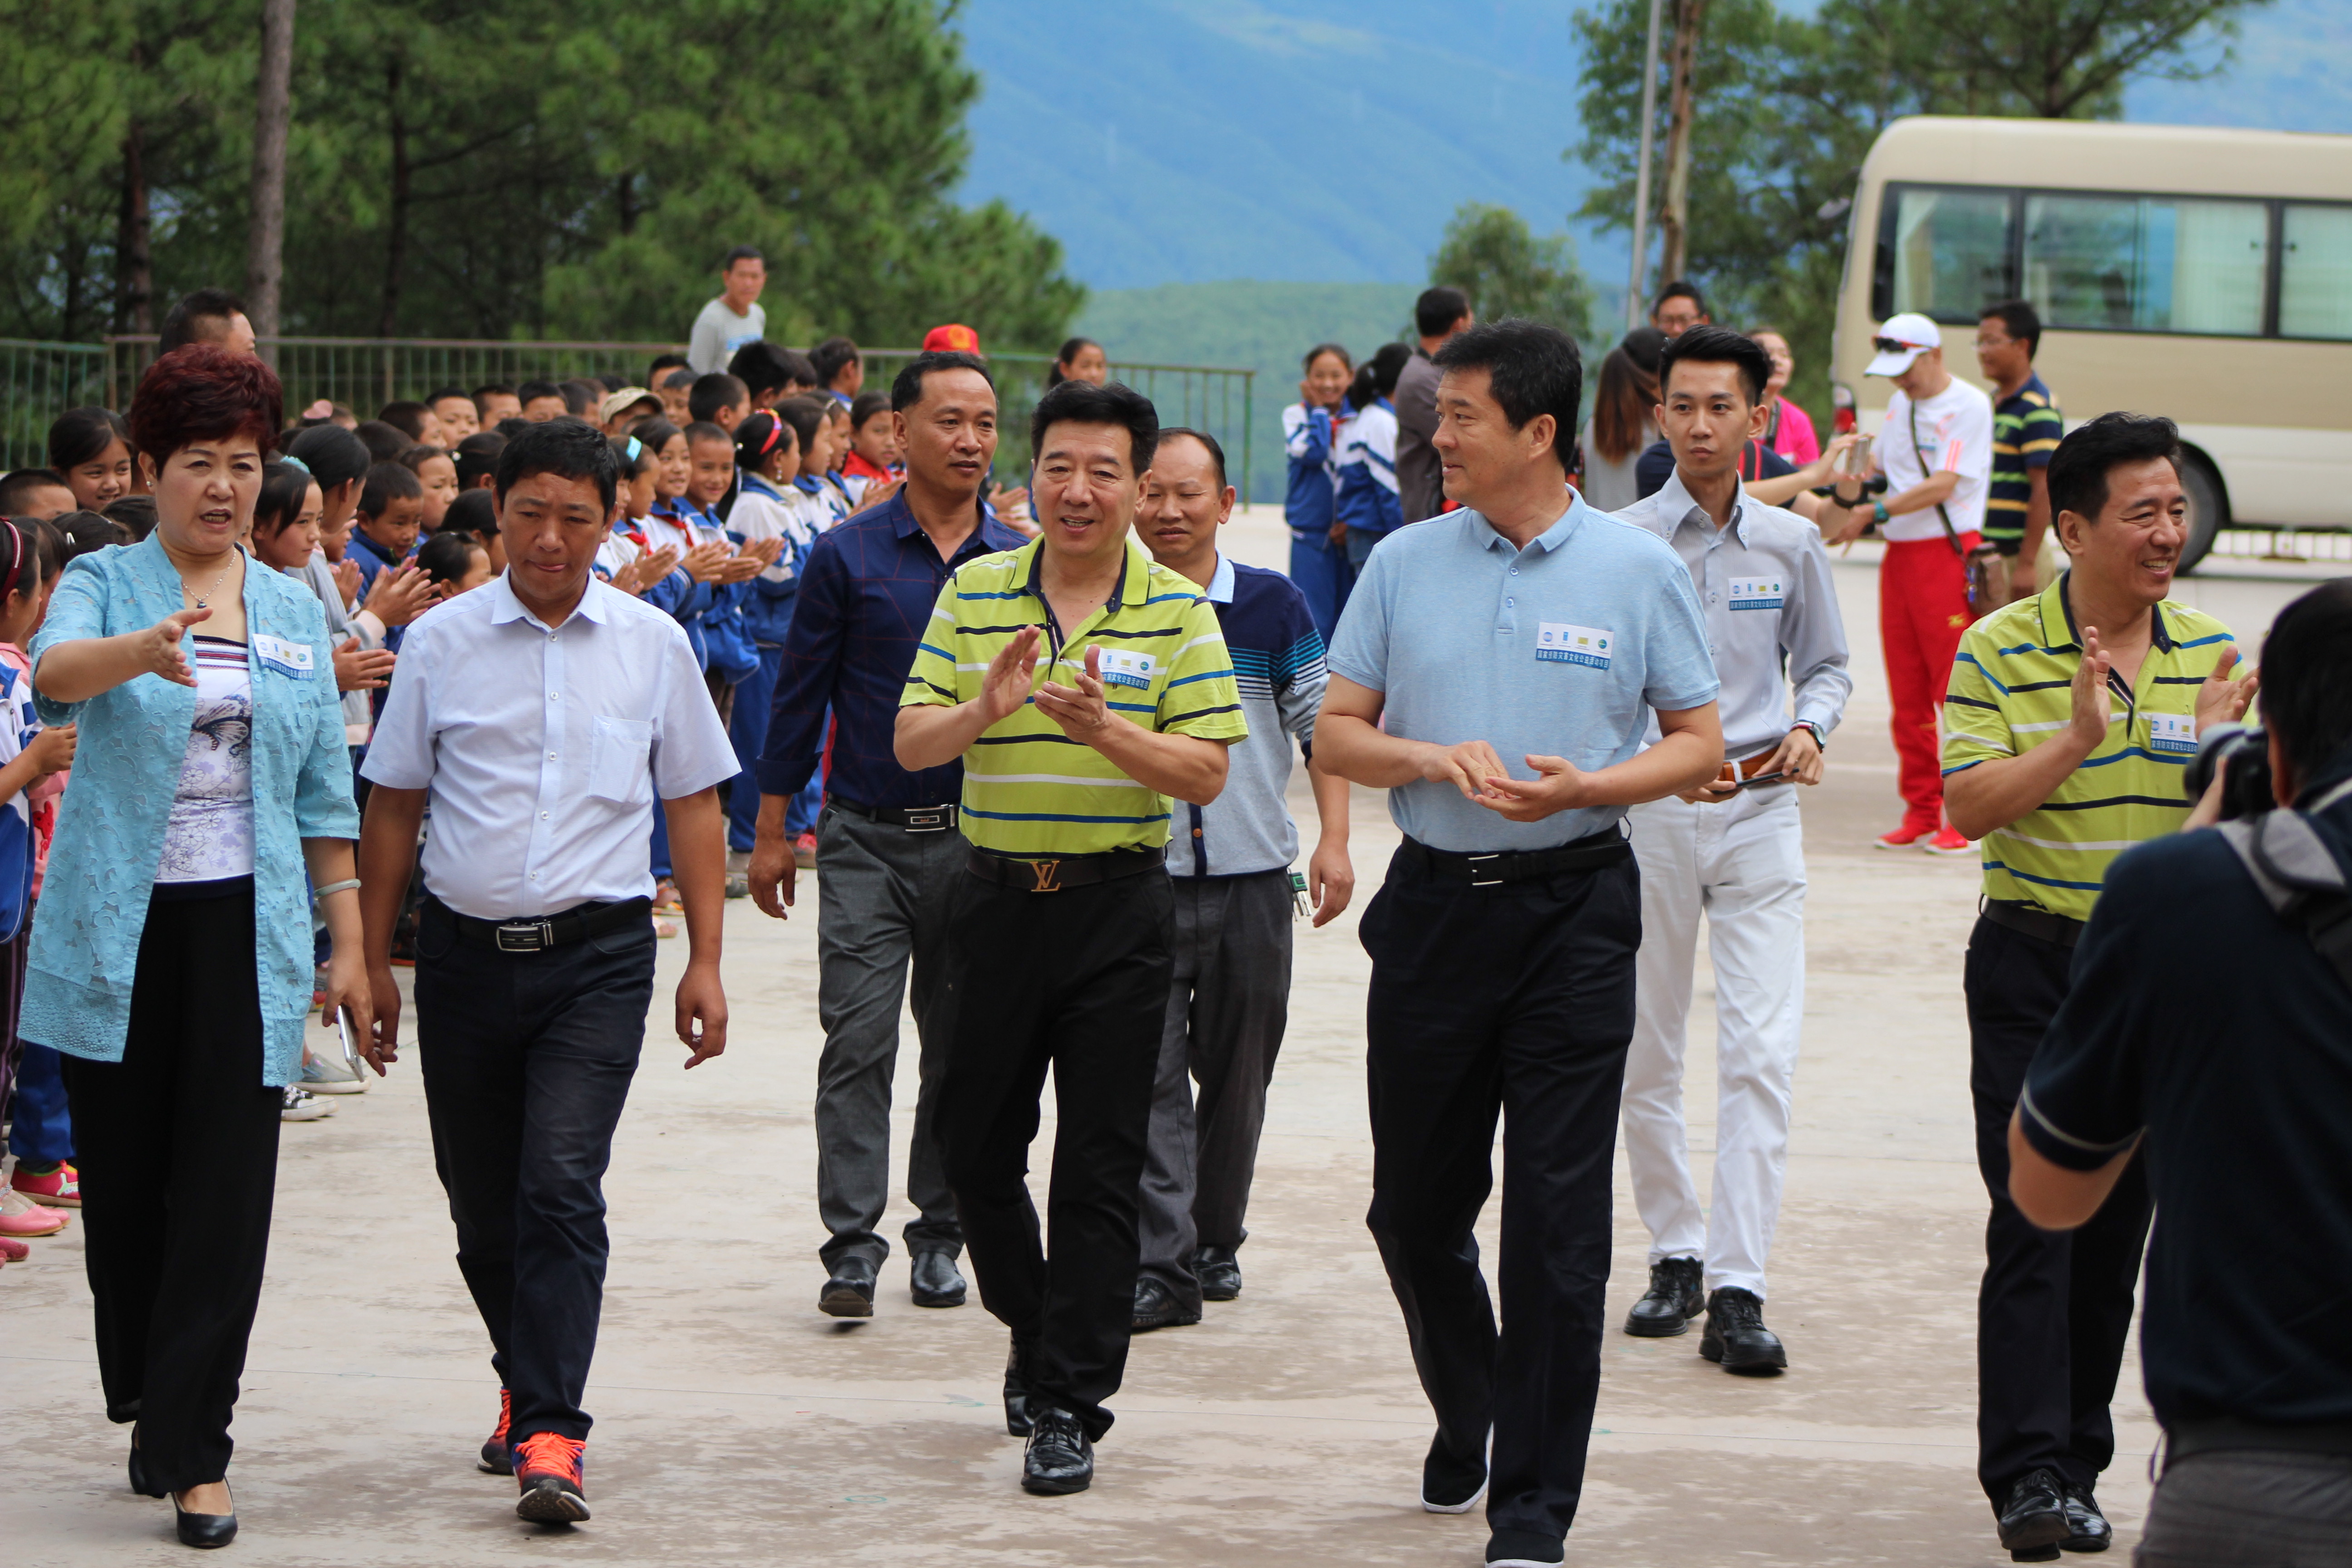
(1368,501)
(1319,567)
(763,512)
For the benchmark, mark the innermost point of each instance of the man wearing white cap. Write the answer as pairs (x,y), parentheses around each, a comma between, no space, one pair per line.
(1936,451)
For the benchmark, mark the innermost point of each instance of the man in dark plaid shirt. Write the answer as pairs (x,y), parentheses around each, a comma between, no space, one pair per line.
(887,851)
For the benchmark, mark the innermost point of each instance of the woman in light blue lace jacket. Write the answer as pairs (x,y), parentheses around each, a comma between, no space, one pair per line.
(171,953)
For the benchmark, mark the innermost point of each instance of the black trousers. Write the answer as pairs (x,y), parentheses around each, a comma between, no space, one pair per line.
(528,1059)
(2055,1308)
(1515,1000)
(178,1146)
(1075,981)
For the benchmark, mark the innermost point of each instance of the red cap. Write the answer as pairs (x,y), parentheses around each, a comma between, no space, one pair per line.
(953,338)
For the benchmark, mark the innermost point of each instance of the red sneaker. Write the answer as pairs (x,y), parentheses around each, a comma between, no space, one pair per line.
(804,852)
(497,1453)
(547,1471)
(1908,837)
(60,1189)
(1950,841)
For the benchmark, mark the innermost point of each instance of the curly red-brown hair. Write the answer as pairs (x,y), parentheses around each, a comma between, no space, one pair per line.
(204,392)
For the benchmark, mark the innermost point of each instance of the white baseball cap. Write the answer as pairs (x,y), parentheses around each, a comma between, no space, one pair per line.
(1900,341)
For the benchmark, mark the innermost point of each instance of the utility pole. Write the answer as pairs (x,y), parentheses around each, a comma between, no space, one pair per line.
(1634,290)
(1673,219)
(265,255)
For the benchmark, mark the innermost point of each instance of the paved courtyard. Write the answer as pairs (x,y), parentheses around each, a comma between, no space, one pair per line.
(737,1425)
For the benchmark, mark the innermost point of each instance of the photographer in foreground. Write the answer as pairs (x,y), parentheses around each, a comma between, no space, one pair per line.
(2068,721)
(2219,1046)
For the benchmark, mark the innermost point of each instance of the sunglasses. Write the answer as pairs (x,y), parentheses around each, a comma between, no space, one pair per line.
(1895,346)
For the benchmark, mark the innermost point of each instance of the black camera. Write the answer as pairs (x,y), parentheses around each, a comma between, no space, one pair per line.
(2246,789)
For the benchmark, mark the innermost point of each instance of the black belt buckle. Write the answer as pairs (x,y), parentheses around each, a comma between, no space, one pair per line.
(526,936)
(931,820)
(1483,874)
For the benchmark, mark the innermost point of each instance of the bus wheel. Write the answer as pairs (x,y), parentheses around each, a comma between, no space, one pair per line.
(2208,508)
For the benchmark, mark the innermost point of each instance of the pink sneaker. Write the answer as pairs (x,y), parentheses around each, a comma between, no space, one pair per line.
(1949,841)
(13,1251)
(21,1216)
(60,1189)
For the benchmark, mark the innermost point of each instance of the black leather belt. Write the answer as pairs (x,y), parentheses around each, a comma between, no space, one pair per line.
(2059,931)
(575,924)
(2224,1434)
(1589,853)
(913,818)
(1042,876)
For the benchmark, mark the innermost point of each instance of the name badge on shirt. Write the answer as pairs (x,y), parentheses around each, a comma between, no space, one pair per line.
(1559,644)
(286,657)
(1758,592)
(1121,667)
(2172,733)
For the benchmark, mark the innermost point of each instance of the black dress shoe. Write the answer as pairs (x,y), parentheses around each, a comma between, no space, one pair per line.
(1448,1486)
(2033,1521)
(138,1468)
(1736,1336)
(935,1280)
(1156,1307)
(1219,1272)
(850,1292)
(1059,1460)
(204,1529)
(2091,1532)
(1675,1299)
(1016,1394)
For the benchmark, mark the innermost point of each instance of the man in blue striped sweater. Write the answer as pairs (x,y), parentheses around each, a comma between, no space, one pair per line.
(1230,863)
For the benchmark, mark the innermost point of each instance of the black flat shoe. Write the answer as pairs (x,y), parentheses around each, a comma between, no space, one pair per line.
(1735,1338)
(203,1530)
(1156,1307)
(849,1293)
(2091,1532)
(1059,1460)
(2033,1521)
(1016,1395)
(935,1280)
(1219,1272)
(1674,1299)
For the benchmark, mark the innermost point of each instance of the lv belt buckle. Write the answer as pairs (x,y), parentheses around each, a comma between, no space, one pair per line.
(1486,870)
(526,936)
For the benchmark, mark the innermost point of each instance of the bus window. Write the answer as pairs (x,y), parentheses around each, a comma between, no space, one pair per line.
(2315,273)
(2148,264)
(1947,252)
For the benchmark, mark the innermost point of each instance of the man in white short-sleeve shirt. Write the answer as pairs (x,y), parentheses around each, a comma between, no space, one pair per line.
(540,716)
(733,320)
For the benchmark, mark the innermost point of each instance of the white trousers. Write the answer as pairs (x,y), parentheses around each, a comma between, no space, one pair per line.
(1742,863)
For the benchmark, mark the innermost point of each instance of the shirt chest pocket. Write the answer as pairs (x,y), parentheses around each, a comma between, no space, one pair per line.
(620,761)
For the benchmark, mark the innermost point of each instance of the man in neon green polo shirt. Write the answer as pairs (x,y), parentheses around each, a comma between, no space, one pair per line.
(1060,940)
(2068,721)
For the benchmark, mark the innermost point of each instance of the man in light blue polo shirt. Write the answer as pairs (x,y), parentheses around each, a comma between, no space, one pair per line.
(1525,635)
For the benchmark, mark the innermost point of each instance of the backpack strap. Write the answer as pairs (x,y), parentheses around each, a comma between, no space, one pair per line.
(2299,878)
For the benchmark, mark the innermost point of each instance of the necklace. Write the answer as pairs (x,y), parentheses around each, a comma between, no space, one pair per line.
(203,600)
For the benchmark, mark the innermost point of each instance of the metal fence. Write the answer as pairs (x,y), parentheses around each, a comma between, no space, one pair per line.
(365,374)
(38,382)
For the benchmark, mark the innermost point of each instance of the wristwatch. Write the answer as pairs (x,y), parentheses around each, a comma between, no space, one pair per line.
(1821,741)
(1878,513)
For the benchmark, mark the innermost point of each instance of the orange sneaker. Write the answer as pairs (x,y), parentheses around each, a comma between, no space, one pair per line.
(60,1189)
(549,1472)
(1950,841)
(497,1453)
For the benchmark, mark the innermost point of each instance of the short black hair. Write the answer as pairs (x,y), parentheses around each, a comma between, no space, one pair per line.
(135,513)
(907,387)
(449,554)
(1705,345)
(683,376)
(18,487)
(2020,319)
(564,447)
(661,362)
(704,430)
(490,389)
(743,253)
(801,371)
(1531,369)
(333,455)
(446,394)
(476,458)
(386,483)
(531,392)
(580,398)
(1216,452)
(180,327)
(2305,700)
(384,442)
(1680,288)
(1438,309)
(829,358)
(1084,403)
(759,366)
(712,392)
(474,513)
(2079,468)
(406,417)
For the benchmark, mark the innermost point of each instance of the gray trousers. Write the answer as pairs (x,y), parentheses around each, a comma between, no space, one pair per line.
(2250,1509)
(1225,1017)
(882,901)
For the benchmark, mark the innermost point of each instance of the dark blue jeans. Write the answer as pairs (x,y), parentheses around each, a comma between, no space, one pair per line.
(528,1058)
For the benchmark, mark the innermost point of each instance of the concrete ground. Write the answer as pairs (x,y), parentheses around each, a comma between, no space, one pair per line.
(736,1424)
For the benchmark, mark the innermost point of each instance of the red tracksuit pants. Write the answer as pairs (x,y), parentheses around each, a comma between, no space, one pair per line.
(1923,608)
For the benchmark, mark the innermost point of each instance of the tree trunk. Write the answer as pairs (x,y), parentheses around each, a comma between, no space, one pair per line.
(134,280)
(396,247)
(265,253)
(1674,217)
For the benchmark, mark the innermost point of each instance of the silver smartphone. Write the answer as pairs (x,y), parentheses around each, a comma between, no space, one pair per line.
(346,1027)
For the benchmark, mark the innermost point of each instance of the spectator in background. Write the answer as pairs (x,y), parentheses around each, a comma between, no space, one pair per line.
(625,408)
(539,401)
(437,473)
(476,460)
(2026,429)
(873,443)
(455,562)
(36,493)
(494,402)
(1311,428)
(733,319)
(415,421)
(801,375)
(1787,429)
(1079,359)
(1437,316)
(658,372)
(840,369)
(384,442)
(1623,422)
(718,399)
(91,448)
(1680,308)
(135,513)
(766,371)
(456,412)
(580,398)
(206,316)
(674,389)
(1368,476)
(392,511)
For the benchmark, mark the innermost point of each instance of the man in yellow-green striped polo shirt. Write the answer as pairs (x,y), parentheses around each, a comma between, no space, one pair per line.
(1082,685)
(2068,721)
